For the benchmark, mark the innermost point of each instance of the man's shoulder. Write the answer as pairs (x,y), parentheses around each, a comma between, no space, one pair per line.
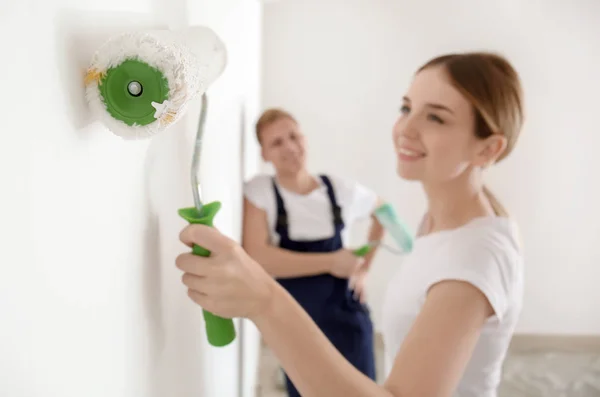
(258,180)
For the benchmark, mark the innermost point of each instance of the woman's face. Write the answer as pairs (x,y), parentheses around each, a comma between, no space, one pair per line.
(434,136)
(283,145)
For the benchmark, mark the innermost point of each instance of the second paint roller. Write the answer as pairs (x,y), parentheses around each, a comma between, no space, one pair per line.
(140,84)
(391,222)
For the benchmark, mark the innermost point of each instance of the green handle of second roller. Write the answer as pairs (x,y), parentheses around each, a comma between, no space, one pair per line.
(363,251)
(219,331)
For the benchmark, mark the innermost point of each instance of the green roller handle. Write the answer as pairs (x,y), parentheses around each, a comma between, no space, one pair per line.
(219,331)
(363,251)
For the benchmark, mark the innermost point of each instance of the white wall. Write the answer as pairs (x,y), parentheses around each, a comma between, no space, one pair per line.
(342,65)
(230,157)
(90,300)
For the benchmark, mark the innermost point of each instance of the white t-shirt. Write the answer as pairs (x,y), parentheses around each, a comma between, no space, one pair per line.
(309,215)
(485,253)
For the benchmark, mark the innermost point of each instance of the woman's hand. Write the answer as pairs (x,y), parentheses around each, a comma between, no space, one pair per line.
(228,283)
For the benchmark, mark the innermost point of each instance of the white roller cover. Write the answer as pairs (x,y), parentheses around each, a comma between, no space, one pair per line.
(191,59)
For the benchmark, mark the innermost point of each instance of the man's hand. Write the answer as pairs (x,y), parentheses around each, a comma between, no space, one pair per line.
(345,263)
(358,283)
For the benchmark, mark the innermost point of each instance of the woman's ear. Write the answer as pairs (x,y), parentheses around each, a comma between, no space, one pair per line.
(490,150)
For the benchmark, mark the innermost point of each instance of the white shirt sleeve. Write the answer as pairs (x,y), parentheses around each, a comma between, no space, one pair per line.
(257,191)
(357,200)
(491,265)
(364,200)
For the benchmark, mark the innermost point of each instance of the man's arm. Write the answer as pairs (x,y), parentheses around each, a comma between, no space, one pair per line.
(281,263)
(376,232)
(358,279)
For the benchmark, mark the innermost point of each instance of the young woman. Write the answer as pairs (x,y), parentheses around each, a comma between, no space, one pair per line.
(296,226)
(452,307)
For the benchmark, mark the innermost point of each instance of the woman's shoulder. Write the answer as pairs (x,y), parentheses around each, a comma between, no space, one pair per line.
(485,253)
(493,232)
(490,240)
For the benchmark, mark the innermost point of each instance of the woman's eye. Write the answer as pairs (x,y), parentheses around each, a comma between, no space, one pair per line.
(404,109)
(435,119)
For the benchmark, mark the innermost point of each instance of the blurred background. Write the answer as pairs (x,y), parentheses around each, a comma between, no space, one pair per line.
(90,301)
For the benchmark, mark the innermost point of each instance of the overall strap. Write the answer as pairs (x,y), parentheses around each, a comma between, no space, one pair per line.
(281,223)
(335,208)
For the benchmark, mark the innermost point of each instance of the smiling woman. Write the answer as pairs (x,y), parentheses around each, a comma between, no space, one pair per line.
(458,103)
(452,306)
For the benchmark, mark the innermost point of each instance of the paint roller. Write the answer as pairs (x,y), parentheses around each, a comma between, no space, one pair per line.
(140,83)
(399,231)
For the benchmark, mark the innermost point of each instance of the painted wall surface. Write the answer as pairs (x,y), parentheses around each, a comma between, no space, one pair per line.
(90,300)
(341,66)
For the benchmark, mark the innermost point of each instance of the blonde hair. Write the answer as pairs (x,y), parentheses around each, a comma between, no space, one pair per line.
(270,116)
(493,87)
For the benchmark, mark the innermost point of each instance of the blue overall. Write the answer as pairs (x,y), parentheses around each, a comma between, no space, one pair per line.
(326,298)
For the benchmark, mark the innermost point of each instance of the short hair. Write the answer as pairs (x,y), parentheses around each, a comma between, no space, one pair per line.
(270,116)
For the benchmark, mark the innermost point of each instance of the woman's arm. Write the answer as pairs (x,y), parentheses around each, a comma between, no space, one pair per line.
(429,363)
(439,345)
(283,263)
(358,279)
(431,359)
(309,359)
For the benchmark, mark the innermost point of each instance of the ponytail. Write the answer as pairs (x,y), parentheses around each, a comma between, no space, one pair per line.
(496,206)
(501,211)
